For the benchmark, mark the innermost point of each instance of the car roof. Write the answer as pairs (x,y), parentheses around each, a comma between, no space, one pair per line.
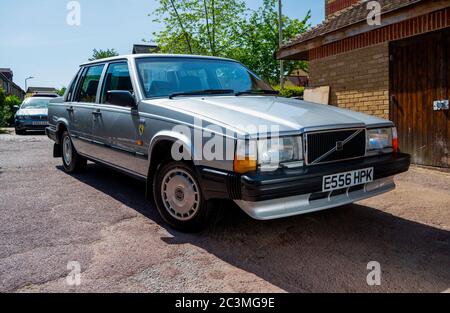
(45,95)
(42,98)
(154,55)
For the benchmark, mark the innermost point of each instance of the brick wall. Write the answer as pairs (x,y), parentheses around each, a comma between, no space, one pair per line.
(358,80)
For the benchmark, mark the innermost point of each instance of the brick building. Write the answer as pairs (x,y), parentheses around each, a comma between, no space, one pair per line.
(395,70)
(142,49)
(7,84)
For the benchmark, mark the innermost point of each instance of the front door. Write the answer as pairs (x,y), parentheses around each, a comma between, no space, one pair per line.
(116,128)
(419,76)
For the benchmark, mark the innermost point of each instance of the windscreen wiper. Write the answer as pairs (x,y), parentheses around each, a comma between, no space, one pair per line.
(257,92)
(202,92)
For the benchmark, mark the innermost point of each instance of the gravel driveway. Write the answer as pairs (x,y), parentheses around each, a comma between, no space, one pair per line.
(101,220)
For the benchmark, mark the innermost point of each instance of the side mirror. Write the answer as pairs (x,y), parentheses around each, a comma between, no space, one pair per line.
(16,108)
(121,97)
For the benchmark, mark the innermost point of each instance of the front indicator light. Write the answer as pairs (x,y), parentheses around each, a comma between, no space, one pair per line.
(245,159)
(244,166)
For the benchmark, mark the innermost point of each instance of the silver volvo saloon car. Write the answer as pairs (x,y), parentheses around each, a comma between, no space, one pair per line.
(201,130)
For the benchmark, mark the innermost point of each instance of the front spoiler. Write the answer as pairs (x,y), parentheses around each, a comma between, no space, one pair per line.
(303,204)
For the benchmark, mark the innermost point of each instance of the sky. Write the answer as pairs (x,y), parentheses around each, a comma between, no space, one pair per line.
(36,40)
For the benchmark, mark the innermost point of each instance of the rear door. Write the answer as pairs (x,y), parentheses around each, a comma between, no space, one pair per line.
(82,106)
(116,128)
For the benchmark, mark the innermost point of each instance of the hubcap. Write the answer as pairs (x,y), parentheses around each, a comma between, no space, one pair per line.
(180,194)
(67,150)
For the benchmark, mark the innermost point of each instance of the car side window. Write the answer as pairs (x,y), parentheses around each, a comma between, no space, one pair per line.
(89,82)
(117,78)
(71,90)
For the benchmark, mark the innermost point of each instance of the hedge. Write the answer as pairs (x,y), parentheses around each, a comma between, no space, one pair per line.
(290,92)
(7,104)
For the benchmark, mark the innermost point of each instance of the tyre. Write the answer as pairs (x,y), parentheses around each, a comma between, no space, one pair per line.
(179,199)
(72,161)
(20,132)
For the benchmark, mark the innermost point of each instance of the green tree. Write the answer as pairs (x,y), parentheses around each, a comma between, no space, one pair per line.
(7,104)
(227,28)
(207,27)
(2,97)
(8,109)
(103,54)
(260,41)
(62,91)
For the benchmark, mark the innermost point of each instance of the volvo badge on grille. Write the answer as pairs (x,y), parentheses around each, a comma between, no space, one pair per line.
(339,146)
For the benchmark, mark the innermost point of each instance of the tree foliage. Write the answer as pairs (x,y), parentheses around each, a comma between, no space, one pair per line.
(103,54)
(62,91)
(260,40)
(227,28)
(207,27)
(7,104)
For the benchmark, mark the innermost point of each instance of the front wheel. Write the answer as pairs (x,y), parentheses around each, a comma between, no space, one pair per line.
(178,197)
(72,161)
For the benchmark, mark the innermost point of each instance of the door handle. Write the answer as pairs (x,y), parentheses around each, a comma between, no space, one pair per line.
(97,113)
(69,109)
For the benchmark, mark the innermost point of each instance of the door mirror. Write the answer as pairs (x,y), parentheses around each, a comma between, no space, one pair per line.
(121,97)
(16,108)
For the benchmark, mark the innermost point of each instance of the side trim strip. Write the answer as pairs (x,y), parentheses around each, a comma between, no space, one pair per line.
(102,144)
(115,167)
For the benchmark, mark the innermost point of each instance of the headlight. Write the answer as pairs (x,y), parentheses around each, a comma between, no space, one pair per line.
(267,154)
(23,117)
(275,151)
(382,140)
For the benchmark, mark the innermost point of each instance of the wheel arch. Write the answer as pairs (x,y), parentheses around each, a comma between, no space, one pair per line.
(160,149)
(61,126)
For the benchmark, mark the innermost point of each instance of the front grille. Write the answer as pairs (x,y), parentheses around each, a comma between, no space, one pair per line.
(331,146)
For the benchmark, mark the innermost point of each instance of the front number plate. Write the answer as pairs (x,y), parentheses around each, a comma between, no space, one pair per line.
(348,179)
(40,123)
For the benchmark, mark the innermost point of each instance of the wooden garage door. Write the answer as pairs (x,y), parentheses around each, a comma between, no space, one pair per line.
(419,75)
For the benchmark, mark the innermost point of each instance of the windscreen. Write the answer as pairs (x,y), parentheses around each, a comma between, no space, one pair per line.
(162,77)
(35,103)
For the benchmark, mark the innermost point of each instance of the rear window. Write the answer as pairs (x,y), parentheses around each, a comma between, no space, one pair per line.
(89,84)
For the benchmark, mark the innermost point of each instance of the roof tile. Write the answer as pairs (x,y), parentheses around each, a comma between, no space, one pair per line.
(354,14)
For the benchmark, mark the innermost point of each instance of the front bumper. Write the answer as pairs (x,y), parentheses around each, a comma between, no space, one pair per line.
(36,125)
(307,203)
(287,192)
